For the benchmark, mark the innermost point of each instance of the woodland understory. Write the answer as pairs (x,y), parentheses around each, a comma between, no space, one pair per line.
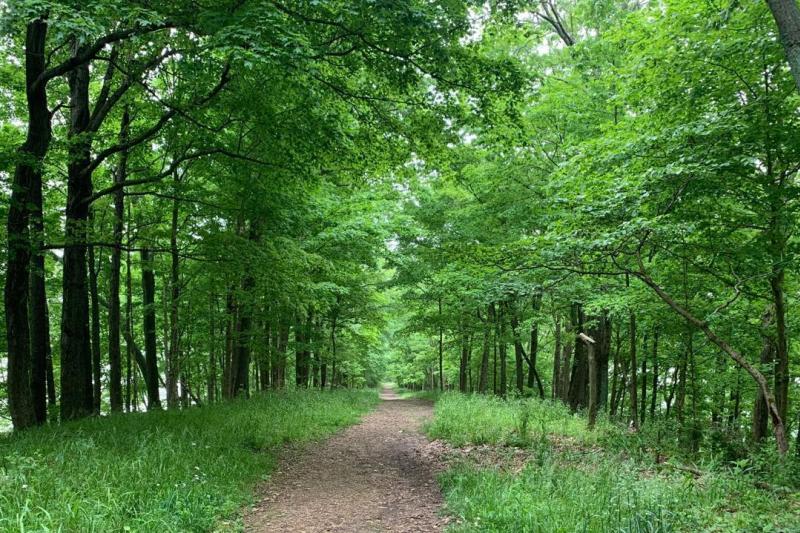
(590,203)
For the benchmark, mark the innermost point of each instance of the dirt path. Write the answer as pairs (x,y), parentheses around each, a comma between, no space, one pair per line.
(370,477)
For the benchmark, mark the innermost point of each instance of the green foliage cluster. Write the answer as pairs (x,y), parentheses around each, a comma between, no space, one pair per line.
(188,470)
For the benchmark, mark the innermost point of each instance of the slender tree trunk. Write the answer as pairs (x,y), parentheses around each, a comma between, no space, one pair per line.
(174,352)
(441,347)
(151,375)
(483,376)
(557,358)
(616,373)
(212,356)
(654,396)
(503,351)
(333,349)
(493,319)
(462,368)
(130,377)
(114,307)
(634,415)
(96,348)
(643,400)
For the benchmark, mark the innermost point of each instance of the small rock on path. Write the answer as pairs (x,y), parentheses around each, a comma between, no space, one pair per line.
(372,477)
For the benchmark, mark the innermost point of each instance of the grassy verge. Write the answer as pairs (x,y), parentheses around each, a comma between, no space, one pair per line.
(606,480)
(168,471)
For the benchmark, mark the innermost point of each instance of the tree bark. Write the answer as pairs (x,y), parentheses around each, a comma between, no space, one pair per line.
(787,17)
(42,381)
(97,392)
(114,308)
(441,348)
(76,364)
(483,376)
(654,390)
(633,419)
(173,354)
(16,289)
(150,342)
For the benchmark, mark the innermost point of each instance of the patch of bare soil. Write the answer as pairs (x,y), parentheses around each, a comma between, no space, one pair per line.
(377,476)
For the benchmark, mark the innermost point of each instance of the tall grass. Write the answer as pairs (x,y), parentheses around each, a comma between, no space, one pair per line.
(576,480)
(162,471)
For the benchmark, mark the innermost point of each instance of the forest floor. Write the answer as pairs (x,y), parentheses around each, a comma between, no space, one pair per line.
(374,476)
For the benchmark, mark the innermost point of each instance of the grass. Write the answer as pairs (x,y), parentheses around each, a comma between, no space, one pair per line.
(185,470)
(601,481)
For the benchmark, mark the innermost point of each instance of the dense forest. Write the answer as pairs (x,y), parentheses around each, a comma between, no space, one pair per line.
(592,202)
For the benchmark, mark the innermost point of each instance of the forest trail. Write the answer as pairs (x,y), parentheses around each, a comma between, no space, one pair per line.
(371,477)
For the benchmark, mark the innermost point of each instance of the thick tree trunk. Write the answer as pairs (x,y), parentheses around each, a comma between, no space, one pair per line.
(781,343)
(76,362)
(42,386)
(579,377)
(767,358)
(16,289)
(150,342)
(787,17)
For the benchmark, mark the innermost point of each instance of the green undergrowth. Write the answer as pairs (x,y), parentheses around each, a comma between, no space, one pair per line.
(606,480)
(161,471)
(419,394)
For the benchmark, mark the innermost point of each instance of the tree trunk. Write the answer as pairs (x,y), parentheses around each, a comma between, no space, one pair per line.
(557,359)
(464,362)
(42,381)
(174,352)
(634,415)
(241,366)
(787,17)
(76,363)
(654,390)
(503,351)
(781,344)
(483,376)
(767,358)
(97,392)
(643,400)
(212,356)
(441,348)
(16,289)
(114,306)
(150,371)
